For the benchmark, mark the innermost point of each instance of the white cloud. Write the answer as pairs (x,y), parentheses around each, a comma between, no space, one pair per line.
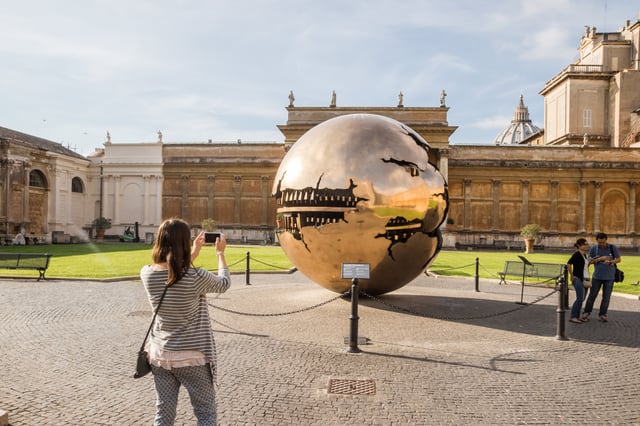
(201,70)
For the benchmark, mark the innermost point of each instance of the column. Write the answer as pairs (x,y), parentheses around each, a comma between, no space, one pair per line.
(116,199)
(466,211)
(67,179)
(443,165)
(237,188)
(553,225)
(184,189)
(495,208)
(49,214)
(524,211)
(105,196)
(158,215)
(145,209)
(264,182)
(582,209)
(211,194)
(25,192)
(632,208)
(596,207)
(4,206)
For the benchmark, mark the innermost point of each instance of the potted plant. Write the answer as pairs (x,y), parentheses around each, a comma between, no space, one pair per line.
(100,224)
(530,232)
(208,225)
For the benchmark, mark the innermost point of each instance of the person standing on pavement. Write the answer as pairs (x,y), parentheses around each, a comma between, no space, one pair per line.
(181,348)
(604,256)
(578,267)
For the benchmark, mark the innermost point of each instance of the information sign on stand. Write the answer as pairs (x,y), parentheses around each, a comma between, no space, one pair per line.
(355,270)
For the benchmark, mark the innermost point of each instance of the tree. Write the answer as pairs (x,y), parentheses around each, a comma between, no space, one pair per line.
(530,231)
(209,225)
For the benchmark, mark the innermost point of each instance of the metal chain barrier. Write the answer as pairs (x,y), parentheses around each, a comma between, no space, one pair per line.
(297,311)
(235,263)
(495,275)
(447,318)
(450,269)
(270,265)
(477,264)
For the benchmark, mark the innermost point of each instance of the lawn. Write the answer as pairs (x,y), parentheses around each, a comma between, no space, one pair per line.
(116,260)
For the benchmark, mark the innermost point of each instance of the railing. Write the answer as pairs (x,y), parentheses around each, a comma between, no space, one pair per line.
(585,68)
(573,68)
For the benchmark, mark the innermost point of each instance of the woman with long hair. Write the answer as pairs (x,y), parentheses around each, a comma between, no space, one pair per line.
(181,348)
(578,267)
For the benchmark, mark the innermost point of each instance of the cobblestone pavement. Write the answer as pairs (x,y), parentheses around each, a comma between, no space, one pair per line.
(436,352)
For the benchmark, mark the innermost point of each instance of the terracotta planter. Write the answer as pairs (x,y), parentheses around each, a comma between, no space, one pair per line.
(528,244)
(100,234)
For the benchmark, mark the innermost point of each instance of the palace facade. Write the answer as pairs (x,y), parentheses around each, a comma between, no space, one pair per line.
(577,176)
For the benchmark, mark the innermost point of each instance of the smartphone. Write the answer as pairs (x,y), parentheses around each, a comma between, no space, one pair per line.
(210,237)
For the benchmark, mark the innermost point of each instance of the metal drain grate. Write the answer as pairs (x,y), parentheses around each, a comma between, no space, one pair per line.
(352,387)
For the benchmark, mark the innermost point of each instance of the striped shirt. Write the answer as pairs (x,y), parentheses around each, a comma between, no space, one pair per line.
(183,322)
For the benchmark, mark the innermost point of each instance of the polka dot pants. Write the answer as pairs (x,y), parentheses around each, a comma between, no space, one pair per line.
(198,381)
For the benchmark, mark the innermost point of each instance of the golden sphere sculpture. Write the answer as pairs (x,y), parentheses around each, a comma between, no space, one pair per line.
(360,188)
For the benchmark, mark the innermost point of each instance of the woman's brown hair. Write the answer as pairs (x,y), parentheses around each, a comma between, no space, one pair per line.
(173,246)
(580,242)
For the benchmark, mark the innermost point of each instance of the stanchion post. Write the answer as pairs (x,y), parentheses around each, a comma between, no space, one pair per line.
(247,270)
(353,333)
(477,274)
(565,294)
(560,326)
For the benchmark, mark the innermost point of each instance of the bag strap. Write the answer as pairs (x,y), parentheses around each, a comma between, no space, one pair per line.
(154,318)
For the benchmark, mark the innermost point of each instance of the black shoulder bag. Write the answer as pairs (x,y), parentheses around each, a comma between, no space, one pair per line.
(142,364)
(619,275)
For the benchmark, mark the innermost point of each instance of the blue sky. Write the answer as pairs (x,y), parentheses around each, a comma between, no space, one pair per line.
(222,70)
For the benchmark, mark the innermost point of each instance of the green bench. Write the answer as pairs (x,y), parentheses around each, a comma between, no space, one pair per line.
(517,268)
(35,261)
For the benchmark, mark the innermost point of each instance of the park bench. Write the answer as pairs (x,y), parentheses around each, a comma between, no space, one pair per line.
(35,261)
(517,268)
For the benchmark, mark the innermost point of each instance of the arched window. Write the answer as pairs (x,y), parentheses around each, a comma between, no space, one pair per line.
(76,185)
(37,179)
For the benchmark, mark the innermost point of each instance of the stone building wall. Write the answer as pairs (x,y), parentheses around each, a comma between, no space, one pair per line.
(569,191)
(230,183)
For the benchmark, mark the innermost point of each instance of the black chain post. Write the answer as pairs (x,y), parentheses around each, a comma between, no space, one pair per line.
(353,335)
(560,326)
(565,293)
(247,270)
(477,274)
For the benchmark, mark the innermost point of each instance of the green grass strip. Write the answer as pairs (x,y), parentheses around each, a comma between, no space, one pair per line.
(116,260)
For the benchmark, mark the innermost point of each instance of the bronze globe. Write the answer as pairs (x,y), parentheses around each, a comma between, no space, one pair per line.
(359,188)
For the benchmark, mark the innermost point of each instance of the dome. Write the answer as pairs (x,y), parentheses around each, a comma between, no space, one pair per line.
(520,129)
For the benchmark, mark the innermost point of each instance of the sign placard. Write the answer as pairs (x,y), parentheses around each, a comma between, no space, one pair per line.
(355,270)
(525,260)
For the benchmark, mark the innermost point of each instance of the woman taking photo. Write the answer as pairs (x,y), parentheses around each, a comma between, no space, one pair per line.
(181,348)
(578,267)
